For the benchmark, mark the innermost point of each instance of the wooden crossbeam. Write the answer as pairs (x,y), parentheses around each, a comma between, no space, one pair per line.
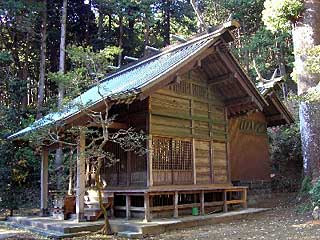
(220,79)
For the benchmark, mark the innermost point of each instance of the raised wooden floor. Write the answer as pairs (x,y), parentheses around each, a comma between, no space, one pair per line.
(180,197)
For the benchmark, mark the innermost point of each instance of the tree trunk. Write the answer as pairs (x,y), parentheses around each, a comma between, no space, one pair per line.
(106,229)
(120,43)
(306,34)
(166,22)
(146,33)
(42,69)
(62,50)
(100,21)
(59,156)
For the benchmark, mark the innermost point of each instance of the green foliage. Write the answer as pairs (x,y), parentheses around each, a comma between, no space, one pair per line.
(285,153)
(306,186)
(87,67)
(285,142)
(279,14)
(315,194)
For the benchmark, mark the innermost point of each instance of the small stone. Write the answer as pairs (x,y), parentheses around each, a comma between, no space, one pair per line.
(316,213)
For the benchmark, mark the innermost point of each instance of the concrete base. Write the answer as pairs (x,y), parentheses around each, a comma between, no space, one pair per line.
(50,227)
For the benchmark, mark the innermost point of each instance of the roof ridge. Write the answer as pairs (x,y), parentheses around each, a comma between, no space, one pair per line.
(202,37)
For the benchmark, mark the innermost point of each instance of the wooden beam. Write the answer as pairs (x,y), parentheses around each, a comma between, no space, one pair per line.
(278,107)
(80,189)
(44,182)
(248,87)
(182,68)
(220,79)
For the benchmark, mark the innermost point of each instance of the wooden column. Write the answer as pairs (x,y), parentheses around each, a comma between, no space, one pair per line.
(149,146)
(202,211)
(225,205)
(211,154)
(149,162)
(147,217)
(227,146)
(128,206)
(244,198)
(194,166)
(81,176)
(176,202)
(44,183)
(128,168)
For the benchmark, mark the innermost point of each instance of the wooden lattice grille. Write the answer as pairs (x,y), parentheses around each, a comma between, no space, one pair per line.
(190,89)
(171,154)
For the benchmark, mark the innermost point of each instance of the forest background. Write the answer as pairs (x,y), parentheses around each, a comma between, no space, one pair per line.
(105,31)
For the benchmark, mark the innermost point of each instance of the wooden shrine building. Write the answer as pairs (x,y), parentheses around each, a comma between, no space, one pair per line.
(186,98)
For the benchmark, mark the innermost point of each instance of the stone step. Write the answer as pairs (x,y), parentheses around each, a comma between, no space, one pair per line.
(130,235)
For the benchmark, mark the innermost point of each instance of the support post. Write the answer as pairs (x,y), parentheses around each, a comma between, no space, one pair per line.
(176,202)
(202,211)
(128,206)
(244,198)
(44,183)
(81,176)
(147,217)
(149,162)
(194,166)
(225,205)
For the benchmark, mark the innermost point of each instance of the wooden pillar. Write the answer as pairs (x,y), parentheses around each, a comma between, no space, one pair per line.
(128,206)
(149,146)
(211,154)
(149,162)
(128,168)
(194,166)
(44,183)
(147,217)
(225,205)
(244,198)
(227,146)
(176,202)
(202,211)
(81,176)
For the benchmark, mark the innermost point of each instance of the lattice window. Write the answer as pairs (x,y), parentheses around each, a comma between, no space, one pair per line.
(199,91)
(171,154)
(181,155)
(181,88)
(161,153)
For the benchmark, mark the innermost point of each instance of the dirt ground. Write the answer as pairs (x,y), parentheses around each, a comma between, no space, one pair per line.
(281,222)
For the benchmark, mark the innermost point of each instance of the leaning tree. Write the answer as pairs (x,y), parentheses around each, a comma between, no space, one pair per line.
(302,16)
